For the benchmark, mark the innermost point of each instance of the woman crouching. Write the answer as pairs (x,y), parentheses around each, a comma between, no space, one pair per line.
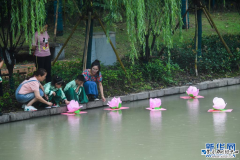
(31,91)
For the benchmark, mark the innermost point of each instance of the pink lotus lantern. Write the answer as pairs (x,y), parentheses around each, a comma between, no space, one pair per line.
(219,106)
(192,91)
(73,108)
(155,103)
(219,103)
(115,103)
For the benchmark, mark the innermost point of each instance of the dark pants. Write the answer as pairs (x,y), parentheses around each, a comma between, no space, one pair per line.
(91,88)
(45,63)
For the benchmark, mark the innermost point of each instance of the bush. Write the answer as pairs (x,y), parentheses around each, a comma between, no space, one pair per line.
(115,81)
(215,57)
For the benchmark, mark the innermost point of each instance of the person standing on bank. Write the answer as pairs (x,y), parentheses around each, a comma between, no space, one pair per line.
(42,52)
(92,76)
(31,91)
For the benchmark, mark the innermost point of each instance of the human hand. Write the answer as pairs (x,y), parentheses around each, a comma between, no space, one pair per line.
(54,94)
(103,99)
(49,103)
(46,96)
(67,102)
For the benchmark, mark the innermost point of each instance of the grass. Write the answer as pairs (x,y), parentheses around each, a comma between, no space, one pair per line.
(226,23)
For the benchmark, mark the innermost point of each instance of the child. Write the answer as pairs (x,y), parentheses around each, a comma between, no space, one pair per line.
(74,90)
(54,91)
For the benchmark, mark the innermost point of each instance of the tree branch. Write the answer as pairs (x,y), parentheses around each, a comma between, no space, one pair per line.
(2,26)
(14,47)
(9,33)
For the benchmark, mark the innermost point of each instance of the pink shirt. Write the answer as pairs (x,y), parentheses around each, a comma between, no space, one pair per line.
(44,48)
(29,87)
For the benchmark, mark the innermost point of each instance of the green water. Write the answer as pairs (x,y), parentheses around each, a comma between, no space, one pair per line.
(179,133)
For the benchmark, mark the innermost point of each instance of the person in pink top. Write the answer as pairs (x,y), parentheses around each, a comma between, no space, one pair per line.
(42,51)
(31,91)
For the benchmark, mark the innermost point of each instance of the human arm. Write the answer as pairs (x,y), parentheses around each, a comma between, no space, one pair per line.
(101,90)
(39,98)
(64,97)
(1,64)
(47,89)
(69,85)
(42,88)
(35,41)
(78,88)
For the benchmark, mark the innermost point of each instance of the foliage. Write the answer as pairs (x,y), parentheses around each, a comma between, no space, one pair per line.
(149,18)
(68,70)
(146,20)
(215,58)
(24,16)
(8,101)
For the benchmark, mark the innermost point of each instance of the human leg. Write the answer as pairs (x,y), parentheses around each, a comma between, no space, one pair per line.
(48,67)
(71,95)
(39,62)
(91,89)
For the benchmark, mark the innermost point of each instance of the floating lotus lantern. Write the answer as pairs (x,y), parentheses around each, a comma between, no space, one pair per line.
(73,108)
(115,104)
(155,104)
(192,92)
(219,105)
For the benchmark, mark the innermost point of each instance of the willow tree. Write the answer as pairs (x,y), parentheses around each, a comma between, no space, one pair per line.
(150,23)
(18,21)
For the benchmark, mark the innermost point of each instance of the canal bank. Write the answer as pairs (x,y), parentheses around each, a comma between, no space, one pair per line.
(17,116)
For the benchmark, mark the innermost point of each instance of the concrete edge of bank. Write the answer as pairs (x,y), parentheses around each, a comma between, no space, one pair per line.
(17,116)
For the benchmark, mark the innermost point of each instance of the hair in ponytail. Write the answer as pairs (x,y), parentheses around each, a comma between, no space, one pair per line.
(57,80)
(38,72)
(96,63)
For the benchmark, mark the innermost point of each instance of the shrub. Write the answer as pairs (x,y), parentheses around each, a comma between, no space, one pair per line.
(215,57)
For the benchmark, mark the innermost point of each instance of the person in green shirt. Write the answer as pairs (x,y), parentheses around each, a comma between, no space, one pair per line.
(54,91)
(74,90)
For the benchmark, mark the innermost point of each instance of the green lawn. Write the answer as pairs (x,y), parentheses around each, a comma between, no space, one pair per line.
(227,23)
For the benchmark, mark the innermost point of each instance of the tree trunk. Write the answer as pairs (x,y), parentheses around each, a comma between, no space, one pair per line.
(9,60)
(147,50)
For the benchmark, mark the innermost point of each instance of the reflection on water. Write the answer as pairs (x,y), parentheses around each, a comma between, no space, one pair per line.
(74,125)
(193,106)
(156,120)
(219,120)
(115,118)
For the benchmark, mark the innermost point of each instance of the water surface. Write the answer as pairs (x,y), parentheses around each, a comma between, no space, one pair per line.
(134,134)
